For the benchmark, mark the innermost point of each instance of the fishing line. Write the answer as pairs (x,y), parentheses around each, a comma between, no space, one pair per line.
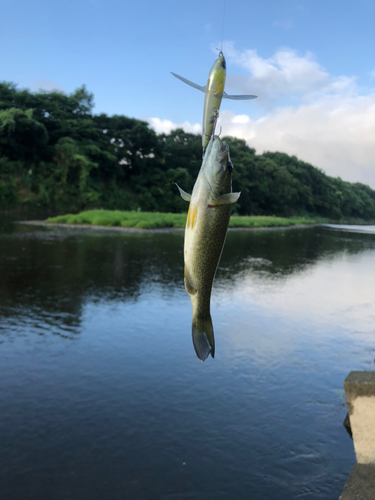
(222,31)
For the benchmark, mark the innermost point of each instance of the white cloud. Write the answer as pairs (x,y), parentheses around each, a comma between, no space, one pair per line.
(241,119)
(166,126)
(338,137)
(285,75)
(321,119)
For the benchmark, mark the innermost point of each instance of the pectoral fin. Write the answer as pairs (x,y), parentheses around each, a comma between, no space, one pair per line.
(239,97)
(185,196)
(202,89)
(225,199)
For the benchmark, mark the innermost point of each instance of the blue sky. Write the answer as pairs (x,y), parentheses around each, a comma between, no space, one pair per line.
(310,61)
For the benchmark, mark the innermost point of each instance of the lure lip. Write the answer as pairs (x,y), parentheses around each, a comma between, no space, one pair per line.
(222,60)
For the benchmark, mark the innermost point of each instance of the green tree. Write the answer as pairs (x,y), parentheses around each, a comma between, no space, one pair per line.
(56,154)
(21,136)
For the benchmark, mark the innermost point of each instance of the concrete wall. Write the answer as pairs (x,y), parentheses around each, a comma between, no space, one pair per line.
(360,397)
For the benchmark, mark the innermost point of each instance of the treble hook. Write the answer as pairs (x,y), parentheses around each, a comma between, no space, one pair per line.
(216,117)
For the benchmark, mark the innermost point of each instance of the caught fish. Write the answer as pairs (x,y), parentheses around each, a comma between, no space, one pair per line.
(205,233)
(214,91)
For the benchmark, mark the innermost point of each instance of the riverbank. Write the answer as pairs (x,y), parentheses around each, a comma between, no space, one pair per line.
(158,220)
(165,230)
(142,222)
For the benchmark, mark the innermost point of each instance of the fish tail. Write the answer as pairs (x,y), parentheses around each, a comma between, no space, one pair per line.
(203,337)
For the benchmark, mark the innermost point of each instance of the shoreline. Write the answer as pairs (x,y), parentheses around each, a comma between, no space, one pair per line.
(165,230)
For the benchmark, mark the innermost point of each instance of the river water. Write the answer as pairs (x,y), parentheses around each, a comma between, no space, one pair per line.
(103,397)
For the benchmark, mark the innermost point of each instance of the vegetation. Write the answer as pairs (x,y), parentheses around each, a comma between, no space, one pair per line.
(269,221)
(56,155)
(153,220)
(113,218)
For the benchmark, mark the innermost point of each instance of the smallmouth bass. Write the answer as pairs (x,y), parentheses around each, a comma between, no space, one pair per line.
(205,234)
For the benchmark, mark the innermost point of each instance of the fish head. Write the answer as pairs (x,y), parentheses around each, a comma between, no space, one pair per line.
(219,167)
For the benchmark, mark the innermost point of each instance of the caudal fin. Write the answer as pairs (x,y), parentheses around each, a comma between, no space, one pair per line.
(203,337)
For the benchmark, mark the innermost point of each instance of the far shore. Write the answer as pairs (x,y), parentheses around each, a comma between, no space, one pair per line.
(165,230)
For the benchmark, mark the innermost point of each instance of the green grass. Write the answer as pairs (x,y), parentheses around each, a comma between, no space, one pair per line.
(268,221)
(141,220)
(155,220)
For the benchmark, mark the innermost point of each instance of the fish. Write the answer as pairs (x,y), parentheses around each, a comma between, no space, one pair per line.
(214,91)
(205,234)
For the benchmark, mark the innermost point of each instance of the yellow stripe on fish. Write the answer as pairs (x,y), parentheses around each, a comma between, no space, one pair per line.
(192,217)
(188,219)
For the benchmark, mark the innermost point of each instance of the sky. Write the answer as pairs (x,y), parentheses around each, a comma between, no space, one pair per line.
(311,63)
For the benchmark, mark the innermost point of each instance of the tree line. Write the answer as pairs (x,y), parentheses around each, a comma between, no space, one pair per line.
(57,155)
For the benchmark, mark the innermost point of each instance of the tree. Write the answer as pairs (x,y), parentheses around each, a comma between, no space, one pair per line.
(21,137)
(56,154)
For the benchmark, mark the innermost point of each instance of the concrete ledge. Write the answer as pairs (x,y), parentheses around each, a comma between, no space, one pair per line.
(360,397)
(361,483)
(360,383)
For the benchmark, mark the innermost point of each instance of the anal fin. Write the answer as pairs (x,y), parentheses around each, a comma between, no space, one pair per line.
(189,284)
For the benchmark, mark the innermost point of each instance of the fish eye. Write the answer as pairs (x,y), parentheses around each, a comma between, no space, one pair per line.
(230,166)
(224,65)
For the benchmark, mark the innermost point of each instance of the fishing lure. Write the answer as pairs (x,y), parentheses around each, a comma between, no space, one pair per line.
(214,91)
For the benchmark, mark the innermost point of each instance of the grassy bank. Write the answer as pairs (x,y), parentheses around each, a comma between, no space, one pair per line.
(154,220)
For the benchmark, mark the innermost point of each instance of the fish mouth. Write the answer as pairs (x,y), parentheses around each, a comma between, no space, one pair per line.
(219,149)
(224,148)
(223,152)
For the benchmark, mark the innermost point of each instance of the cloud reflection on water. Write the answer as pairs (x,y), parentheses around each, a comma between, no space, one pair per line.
(269,311)
(342,286)
(315,274)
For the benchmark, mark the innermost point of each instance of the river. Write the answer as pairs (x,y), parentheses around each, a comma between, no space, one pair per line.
(103,397)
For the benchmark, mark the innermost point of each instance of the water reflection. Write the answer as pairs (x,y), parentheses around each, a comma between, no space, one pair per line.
(103,397)
(298,297)
(51,273)
(289,251)
(352,228)
(57,271)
